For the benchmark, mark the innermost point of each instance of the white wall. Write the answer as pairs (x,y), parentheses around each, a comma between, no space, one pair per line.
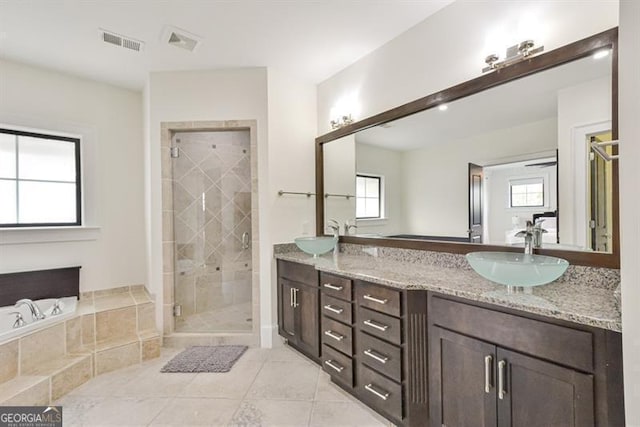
(387,163)
(581,108)
(109,121)
(292,129)
(436,178)
(449,47)
(629,127)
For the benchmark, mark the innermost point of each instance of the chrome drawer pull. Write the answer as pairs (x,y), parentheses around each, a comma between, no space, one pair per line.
(333,309)
(376,356)
(488,362)
(375,325)
(333,287)
(501,392)
(374,299)
(330,364)
(334,335)
(381,394)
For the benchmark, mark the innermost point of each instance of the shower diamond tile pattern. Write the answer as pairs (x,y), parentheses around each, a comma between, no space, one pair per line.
(212,211)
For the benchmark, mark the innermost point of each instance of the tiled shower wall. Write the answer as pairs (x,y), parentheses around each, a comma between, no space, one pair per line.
(212,213)
(194,254)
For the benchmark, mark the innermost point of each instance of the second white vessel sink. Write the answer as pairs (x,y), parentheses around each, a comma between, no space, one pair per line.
(517,269)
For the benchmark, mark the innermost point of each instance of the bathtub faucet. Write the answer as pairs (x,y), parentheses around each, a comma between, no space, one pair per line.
(33,307)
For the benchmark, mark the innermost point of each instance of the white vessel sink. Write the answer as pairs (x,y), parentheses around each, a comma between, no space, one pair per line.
(517,269)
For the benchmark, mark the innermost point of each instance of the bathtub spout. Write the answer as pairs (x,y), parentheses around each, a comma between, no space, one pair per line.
(36,313)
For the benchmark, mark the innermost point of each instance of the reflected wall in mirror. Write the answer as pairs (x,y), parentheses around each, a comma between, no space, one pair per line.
(479,169)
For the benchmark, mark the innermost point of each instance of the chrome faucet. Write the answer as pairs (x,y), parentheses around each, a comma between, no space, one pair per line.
(528,238)
(537,233)
(36,313)
(348,227)
(334,226)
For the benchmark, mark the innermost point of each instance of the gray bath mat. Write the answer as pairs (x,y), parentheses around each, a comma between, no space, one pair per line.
(219,358)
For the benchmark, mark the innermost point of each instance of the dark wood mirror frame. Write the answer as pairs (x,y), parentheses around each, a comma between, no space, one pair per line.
(562,55)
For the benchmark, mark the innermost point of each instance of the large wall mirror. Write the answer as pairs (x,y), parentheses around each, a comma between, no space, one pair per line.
(470,165)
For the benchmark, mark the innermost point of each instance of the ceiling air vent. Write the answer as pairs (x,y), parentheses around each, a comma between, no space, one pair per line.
(120,40)
(180,38)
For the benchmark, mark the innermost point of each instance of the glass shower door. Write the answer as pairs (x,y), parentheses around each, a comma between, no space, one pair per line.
(212,231)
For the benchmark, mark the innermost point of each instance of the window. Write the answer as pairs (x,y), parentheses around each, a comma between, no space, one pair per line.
(39,179)
(524,193)
(368,191)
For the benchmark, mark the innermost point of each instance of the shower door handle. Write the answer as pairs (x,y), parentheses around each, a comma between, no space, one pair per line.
(245,240)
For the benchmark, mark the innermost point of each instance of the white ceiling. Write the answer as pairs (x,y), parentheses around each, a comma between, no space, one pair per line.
(522,101)
(312,39)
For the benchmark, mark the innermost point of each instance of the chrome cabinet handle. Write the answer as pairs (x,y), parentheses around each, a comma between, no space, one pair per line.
(374,299)
(376,356)
(376,325)
(333,287)
(295,297)
(332,309)
(488,361)
(501,392)
(334,335)
(381,394)
(333,366)
(291,297)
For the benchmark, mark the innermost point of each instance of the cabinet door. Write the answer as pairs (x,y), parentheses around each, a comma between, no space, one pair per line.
(308,319)
(286,311)
(537,393)
(462,383)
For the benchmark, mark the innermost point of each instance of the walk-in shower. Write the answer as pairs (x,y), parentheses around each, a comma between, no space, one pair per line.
(211,174)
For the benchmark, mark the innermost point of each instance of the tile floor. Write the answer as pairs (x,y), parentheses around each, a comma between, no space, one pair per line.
(275,387)
(233,318)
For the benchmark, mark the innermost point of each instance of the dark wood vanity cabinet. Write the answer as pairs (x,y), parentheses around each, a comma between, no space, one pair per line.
(422,358)
(298,315)
(493,368)
(391,352)
(336,331)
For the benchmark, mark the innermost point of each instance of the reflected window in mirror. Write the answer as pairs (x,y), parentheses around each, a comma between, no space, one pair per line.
(527,193)
(368,197)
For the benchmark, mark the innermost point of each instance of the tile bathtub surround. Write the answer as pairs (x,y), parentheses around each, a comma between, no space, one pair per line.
(110,330)
(141,395)
(572,297)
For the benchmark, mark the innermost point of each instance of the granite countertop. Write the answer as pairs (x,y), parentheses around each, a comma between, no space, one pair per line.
(568,298)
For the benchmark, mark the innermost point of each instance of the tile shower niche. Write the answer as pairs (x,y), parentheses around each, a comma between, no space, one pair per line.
(212,231)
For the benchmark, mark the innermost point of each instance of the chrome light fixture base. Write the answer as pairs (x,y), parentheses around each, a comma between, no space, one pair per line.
(515,53)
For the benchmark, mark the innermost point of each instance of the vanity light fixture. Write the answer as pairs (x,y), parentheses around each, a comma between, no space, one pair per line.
(443,107)
(341,122)
(603,53)
(515,53)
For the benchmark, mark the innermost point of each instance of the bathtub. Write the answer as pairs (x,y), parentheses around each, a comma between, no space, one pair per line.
(7,331)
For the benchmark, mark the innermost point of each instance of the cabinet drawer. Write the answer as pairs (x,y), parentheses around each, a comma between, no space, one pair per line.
(380,325)
(337,365)
(337,335)
(336,309)
(378,298)
(380,392)
(561,344)
(301,273)
(383,357)
(336,286)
